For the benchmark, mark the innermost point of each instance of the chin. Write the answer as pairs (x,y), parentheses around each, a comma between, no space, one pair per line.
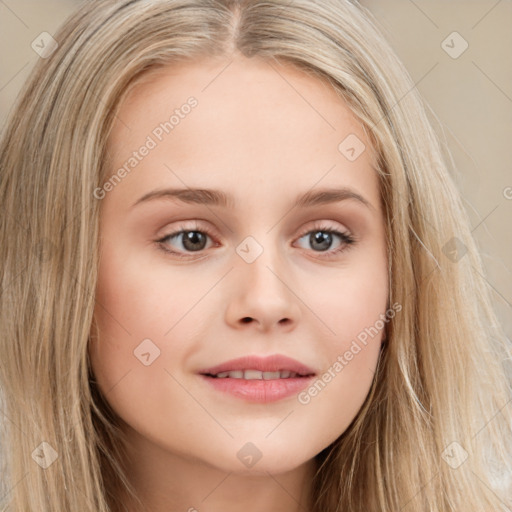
(267,460)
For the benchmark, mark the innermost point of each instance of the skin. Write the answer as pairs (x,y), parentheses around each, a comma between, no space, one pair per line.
(263,133)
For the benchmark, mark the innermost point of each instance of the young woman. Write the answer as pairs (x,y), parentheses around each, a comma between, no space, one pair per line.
(237,275)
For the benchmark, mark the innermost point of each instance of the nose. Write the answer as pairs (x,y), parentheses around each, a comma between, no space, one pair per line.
(263,295)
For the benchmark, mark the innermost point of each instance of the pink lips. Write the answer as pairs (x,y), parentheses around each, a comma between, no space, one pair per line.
(260,390)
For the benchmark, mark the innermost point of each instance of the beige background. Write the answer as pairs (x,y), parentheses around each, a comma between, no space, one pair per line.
(471,97)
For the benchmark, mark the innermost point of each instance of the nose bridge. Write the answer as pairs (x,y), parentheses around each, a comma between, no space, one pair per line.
(261,259)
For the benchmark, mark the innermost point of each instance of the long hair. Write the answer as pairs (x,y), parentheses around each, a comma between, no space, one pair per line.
(434,431)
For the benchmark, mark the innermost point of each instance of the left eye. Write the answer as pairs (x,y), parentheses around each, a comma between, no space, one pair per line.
(322,239)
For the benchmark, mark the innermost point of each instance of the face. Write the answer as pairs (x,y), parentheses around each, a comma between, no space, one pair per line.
(189,281)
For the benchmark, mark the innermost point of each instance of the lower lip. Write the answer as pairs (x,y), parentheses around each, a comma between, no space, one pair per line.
(259,390)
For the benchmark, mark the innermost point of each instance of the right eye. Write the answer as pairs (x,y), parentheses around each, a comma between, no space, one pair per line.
(191,239)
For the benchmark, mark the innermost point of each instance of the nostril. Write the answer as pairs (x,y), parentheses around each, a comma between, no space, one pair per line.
(247,319)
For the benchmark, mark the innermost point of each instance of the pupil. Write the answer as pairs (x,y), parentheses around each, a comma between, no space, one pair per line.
(323,238)
(193,239)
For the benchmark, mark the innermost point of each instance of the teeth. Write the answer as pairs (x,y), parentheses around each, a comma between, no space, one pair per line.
(253,375)
(271,375)
(257,375)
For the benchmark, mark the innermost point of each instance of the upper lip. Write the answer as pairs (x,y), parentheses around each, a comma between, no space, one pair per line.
(273,363)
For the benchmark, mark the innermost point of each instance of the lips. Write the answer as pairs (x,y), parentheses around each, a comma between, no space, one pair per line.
(259,368)
(258,379)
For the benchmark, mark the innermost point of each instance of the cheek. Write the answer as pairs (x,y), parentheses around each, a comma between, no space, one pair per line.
(352,307)
(147,318)
(135,314)
(137,293)
(352,300)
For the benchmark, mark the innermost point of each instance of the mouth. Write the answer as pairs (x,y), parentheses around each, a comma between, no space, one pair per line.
(259,379)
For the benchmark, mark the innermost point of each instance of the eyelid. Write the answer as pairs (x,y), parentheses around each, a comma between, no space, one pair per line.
(325,225)
(194,226)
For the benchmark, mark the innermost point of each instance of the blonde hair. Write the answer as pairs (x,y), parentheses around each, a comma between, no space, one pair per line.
(443,376)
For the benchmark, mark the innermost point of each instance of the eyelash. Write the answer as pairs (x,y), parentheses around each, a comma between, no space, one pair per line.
(347,239)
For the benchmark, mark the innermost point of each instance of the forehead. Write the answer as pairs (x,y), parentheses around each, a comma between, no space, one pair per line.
(253,121)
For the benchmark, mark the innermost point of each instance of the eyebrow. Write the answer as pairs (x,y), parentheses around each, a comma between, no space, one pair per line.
(213,197)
